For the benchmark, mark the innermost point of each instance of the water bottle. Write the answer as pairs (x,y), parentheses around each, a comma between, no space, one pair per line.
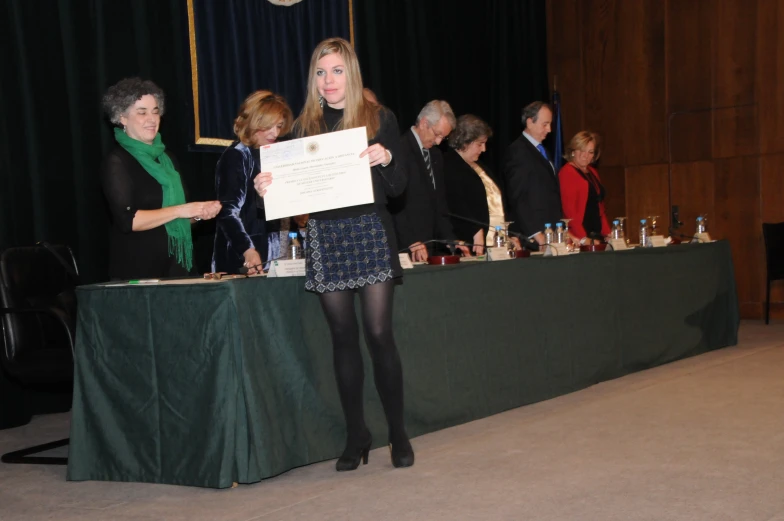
(700,224)
(295,251)
(498,238)
(303,233)
(560,237)
(644,239)
(548,233)
(617,231)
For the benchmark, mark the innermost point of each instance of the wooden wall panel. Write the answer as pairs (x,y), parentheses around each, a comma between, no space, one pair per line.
(689,72)
(646,195)
(564,60)
(693,192)
(734,44)
(691,136)
(738,220)
(772,211)
(770,74)
(735,132)
(614,181)
(689,53)
(643,75)
(602,86)
(772,188)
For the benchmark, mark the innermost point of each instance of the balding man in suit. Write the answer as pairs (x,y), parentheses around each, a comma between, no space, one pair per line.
(532,189)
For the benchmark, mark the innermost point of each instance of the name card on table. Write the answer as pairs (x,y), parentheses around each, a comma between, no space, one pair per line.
(702,237)
(405,261)
(287,268)
(556,249)
(657,241)
(498,254)
(618,244)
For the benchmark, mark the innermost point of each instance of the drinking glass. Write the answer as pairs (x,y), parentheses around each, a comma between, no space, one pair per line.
(569,243)
(622,221)
(652,221)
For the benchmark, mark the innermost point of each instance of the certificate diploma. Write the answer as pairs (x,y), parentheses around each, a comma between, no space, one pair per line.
(317,173)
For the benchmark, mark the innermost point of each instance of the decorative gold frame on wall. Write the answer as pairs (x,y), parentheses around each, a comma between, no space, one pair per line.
(199,140)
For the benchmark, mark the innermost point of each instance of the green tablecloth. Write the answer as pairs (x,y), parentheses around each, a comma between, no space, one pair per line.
(209,384)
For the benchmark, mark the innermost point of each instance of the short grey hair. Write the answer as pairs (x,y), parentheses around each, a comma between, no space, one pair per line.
(532,111)
(434,111)
(122,95)
(469,128)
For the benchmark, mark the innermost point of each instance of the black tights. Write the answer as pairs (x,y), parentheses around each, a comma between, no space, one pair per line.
(376,305)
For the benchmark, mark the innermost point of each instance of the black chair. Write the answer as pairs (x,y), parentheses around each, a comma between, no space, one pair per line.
(38,318)
(773,233)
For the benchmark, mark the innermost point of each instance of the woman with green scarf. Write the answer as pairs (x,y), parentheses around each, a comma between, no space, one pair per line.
(151,228)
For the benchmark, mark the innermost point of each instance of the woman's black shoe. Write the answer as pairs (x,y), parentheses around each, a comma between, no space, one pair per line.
(353,454)
(402,454)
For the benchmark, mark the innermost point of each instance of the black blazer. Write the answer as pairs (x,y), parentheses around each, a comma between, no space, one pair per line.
(466,196)
(532,192)
(420,212)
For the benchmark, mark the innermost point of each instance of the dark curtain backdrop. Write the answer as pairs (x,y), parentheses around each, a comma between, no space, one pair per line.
(487,58)
(58,59)
(247,45)
(60,56)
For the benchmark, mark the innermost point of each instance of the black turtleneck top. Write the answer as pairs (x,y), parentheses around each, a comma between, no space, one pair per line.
(388,181)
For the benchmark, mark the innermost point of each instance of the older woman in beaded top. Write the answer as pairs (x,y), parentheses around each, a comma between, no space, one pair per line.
(471,189)
(353,250)
(151,220)
(243,235)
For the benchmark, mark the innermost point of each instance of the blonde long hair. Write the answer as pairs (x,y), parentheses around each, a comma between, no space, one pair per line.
(358,111)
(260,111)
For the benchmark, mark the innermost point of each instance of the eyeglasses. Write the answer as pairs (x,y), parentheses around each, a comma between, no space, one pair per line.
(438,135)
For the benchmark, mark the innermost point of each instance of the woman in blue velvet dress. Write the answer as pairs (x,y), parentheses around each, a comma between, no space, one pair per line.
(241,234)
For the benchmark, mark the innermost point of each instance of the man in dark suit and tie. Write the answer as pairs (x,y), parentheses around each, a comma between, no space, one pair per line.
(420,212)
(532,189)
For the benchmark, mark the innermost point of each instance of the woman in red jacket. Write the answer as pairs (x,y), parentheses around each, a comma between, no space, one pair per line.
(582,193)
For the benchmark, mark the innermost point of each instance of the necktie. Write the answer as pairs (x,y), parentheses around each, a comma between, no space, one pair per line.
(426,154)
(542,150)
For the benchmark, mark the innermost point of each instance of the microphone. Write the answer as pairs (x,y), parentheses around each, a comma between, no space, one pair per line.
(525,242)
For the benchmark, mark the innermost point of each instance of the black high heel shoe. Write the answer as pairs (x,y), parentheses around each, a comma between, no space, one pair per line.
(352,455)
(402,454)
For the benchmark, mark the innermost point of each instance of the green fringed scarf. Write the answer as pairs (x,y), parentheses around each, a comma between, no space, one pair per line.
(160,167)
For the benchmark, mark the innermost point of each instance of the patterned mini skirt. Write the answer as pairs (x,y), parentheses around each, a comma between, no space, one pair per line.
(346,253)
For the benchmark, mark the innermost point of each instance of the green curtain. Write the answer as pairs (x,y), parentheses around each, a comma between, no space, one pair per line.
(59,57)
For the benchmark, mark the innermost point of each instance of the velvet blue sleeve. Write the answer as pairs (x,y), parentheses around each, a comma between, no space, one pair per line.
(232,178)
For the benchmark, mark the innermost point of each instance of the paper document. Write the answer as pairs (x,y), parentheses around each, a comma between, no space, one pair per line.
(317,173)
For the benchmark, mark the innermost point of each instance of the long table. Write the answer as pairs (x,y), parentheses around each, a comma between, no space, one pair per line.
(211,384)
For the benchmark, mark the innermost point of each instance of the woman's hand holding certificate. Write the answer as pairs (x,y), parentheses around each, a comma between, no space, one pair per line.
(377,154)
(317,173)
